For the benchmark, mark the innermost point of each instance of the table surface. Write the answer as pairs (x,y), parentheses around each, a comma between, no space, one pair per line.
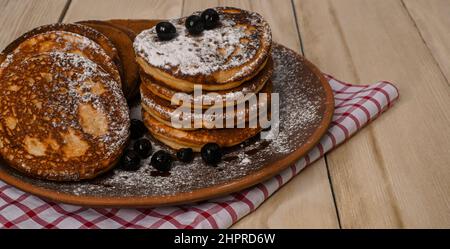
(395,173)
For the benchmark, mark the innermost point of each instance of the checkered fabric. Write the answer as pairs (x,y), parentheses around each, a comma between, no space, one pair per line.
(356,106)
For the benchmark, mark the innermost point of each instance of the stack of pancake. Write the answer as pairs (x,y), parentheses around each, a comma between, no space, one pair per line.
(63,113)
(231,60)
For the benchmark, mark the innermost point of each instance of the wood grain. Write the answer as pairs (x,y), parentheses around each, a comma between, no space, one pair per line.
(307,200)
(432,18)
(122,9)
(17,17)
(395,172)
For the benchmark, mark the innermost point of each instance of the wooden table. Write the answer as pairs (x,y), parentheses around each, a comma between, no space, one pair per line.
(396,172)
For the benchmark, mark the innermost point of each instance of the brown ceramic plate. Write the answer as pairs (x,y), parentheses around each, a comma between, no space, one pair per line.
(306,108)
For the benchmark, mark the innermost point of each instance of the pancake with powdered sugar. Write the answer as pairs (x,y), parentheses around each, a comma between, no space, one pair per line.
(64,118)
(70,38)
(205,100)
(163,111)
(219,59)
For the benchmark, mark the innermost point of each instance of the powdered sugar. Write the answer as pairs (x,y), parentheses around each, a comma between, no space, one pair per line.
(303,106)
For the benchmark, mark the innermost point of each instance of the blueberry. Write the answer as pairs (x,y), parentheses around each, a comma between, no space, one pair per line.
(137,128)
(185,155)
(211,153)
(143,147)
(195,24)
(130,160)
(165,31)
(211,18)
(161,161)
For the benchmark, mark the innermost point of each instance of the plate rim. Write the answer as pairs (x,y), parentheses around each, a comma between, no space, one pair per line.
(201,194)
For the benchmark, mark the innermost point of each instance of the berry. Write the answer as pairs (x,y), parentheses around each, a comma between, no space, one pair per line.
(211,153)
(161,161)
(137,128)
(130,160)
(185,155)
(211,18)
(165,31)
(143,147)
(195,24)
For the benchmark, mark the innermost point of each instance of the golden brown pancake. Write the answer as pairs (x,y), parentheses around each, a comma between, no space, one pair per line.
(227,97)
(162,110)
(60,39)
(219,59)
(177,139)
(64,118)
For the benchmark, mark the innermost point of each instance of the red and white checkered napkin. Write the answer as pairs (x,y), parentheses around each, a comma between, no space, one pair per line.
(356,105)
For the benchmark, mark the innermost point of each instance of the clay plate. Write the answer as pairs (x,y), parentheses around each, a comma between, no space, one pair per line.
(306,108)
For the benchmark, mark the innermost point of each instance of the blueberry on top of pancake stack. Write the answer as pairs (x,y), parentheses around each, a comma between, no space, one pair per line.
(64,116)
(220,58)
(230,57)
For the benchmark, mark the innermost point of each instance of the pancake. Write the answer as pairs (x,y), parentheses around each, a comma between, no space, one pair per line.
(66,37)
(63,41)
(177,139)
(227,97)
(122,38)
(163,111)
(64,118)
(219,59)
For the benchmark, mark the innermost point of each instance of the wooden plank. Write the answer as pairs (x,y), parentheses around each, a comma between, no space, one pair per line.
(394,173)
(117,9)
(432,18)
(306,201)
(19,17)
